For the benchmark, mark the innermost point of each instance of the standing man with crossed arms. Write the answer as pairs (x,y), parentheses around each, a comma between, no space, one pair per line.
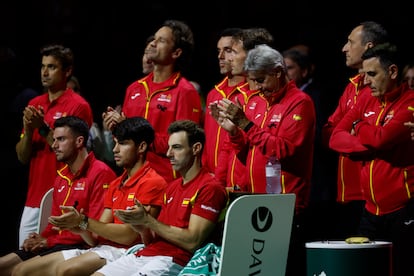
(349,198)
(373,132)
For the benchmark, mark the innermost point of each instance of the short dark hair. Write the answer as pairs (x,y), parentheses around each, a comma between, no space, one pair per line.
(183,39)
(373,32)
(137,129)
(63,54)
(302,59)
(77,126)
(229,32)
(252,37)
(386,53)
(194,132)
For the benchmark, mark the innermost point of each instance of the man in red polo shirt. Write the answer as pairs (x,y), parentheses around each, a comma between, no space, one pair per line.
(39,116)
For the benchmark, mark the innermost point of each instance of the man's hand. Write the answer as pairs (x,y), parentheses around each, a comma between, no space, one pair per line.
(112,117)
(68,221)
(34,243)
(32,118)
(135,215)
(231,115)
(234,112)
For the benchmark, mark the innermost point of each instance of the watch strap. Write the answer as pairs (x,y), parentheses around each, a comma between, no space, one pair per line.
(84,222)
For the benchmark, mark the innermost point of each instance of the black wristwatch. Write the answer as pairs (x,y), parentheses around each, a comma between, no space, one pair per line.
(84,222)
(248,126)
(354,123)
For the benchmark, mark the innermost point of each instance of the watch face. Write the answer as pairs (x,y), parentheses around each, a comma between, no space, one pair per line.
(84,223)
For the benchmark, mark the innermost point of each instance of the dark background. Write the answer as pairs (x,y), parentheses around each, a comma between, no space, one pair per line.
(108,38)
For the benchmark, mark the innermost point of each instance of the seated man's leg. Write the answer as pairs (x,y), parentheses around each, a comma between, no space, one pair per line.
(158,265)
(8,262)
(84,264)
(127,265)
(45,260)
(39,265)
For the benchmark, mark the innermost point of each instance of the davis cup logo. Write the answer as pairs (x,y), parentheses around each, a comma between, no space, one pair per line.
(262,219)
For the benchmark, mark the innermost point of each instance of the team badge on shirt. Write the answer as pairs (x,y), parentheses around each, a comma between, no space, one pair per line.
(131,196)
(164,98)
(185,202)
(59,115)
(252,106)
(276,118)
(388,118)
(80,186)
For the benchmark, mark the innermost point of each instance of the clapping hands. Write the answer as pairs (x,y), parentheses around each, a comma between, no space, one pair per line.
(134,215)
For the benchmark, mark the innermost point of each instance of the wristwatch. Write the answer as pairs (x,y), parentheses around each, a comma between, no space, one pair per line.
(84,222)
(354,123)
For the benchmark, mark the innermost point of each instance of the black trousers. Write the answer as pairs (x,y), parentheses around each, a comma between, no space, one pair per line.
(396,227)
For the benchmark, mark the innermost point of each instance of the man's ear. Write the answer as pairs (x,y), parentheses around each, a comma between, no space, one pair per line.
(142,147)
(197,148)
(69,72)
(393,71)
(79,141)
(177,53)
(278,72)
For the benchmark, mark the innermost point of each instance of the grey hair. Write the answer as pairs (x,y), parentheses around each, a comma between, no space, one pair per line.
(264,58)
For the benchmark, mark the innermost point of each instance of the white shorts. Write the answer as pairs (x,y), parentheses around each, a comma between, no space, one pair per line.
(28,223)
(107,252)
(131,265)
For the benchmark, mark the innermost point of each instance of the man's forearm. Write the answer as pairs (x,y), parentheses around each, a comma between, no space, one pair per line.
(24,148)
